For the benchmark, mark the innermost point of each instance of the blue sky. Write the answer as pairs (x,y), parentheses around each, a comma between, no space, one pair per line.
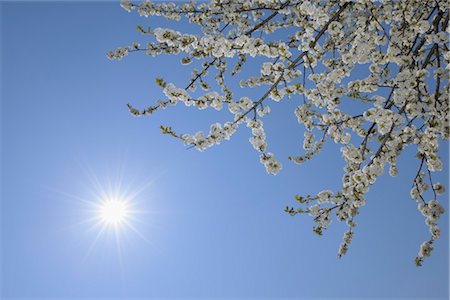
(214,224)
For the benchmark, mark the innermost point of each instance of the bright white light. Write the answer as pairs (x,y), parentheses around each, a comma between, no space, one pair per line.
(113,208)
(113,212)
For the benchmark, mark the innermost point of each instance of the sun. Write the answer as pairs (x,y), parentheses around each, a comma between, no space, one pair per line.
(114,211)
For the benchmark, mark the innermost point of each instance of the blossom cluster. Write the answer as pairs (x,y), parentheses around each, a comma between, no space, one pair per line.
(372,76)
(216,134)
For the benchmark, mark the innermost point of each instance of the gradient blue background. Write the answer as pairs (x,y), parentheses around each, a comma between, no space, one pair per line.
(217,227)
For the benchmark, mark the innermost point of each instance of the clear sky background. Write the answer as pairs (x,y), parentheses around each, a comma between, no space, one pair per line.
(214,224)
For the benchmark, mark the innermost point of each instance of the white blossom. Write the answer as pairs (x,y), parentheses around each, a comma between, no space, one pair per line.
(371,76)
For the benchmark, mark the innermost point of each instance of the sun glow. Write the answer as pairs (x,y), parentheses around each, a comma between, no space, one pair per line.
(115,209)
(114,212)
